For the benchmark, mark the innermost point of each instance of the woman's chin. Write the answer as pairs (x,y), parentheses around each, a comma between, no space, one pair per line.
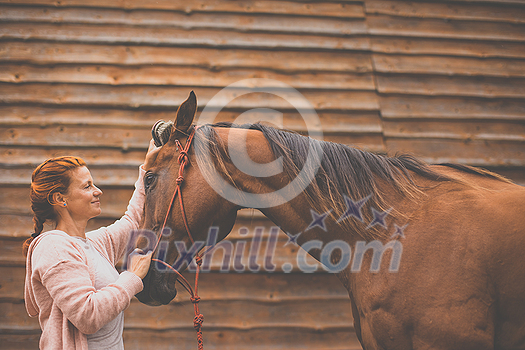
(96,213)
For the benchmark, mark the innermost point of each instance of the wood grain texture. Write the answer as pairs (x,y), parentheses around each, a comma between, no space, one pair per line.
(454,29)
(193,21)
(438,46)
(449,66)
(489,87)
(441,80)
(177,36)
(177,76)
(448,107)
(169,97)
(489,12)
(347,9)
(41,53)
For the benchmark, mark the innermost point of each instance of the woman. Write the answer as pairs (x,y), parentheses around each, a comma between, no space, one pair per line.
(71,281)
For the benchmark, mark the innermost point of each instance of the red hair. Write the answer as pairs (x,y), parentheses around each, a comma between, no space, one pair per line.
(50,177)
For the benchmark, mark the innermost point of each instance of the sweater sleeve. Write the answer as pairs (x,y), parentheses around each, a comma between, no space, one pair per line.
(68,283)
(114,238)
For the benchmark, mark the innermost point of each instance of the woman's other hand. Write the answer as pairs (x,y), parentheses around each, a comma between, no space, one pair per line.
(139,263)
(151,155)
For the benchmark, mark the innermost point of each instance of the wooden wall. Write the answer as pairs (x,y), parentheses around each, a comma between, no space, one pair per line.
(444,80)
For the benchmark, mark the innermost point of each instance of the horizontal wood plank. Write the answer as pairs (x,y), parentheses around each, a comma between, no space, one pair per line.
(333,339)
(446,47)
(488,12)
(165,19)
(33,156)
(314,315)
(474,152)
(437,28)
(451,66)
(117,34)
(19,340)
(90,150)
(308,314)
(489,1)
(213,339)
(215,59)
(456,129)
(43,117)
(170,97)
(177,76)
(347,9)
(93,137)
(403,106)
(489,87)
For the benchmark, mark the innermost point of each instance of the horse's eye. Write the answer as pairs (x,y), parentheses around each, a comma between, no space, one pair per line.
(149,179)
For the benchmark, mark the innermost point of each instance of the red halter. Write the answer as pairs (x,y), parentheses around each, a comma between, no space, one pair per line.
(183,160)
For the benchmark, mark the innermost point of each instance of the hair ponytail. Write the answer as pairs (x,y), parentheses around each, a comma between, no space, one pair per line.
(49,177)
(38,227)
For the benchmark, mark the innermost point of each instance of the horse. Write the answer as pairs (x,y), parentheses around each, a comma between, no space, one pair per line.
(459,281)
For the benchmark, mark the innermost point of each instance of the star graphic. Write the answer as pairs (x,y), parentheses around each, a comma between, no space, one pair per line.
(292,239)
(399,231)
(318,220)
(353,208)
(379,218)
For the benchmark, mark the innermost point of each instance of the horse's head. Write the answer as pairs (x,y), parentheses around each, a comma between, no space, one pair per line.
(203,207)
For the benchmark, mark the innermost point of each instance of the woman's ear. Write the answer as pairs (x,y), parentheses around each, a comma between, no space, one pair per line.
(186,113)
(58,198)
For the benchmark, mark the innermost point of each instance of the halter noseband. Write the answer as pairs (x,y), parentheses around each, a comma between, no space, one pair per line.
(183,160)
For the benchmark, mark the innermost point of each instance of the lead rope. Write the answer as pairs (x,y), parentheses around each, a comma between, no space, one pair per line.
(194,297)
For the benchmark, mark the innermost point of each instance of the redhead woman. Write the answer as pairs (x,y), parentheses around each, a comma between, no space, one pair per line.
(71,282)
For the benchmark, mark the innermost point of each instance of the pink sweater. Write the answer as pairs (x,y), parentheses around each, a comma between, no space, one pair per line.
(59,284)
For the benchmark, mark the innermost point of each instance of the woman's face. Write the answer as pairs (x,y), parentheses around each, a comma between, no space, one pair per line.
(82,197)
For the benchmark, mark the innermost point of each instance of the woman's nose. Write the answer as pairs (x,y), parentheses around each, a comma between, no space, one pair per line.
(97,192)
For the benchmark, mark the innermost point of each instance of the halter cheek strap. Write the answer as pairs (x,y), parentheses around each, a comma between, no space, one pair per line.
(183,161)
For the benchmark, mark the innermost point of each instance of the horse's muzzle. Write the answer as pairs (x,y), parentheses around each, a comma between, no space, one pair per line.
(157,290)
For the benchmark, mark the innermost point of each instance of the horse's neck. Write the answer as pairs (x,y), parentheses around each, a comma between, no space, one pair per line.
(295,215)
(247,148)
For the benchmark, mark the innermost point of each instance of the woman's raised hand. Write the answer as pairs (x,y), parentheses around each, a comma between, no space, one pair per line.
(139,262)
(151,155)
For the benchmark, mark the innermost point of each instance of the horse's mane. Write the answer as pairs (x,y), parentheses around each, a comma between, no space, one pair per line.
(344,171)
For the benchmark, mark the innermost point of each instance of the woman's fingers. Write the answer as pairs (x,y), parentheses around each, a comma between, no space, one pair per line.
(140,262)
(151,145)
(151,156)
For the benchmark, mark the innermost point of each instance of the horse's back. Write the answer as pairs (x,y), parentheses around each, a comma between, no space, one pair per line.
(490,217)
(460,283)
(505,220)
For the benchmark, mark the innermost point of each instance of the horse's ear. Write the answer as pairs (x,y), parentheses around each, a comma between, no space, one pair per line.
(186,113)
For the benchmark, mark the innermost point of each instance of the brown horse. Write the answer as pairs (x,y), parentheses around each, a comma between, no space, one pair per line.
(460,282)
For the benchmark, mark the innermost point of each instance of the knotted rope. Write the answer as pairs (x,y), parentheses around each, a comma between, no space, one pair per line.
(194,297)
